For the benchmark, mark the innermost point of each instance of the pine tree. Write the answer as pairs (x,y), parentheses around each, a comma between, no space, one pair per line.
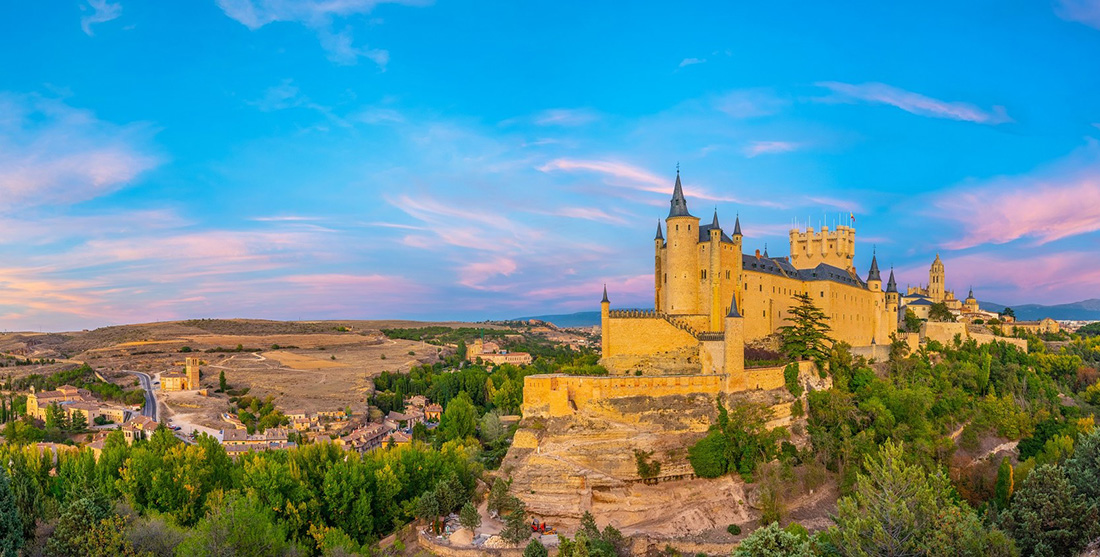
(1002,492)
(469,517)
(807,335)
(78,422)
(222,384)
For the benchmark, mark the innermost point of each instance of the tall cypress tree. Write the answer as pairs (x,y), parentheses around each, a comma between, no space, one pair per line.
(11,526)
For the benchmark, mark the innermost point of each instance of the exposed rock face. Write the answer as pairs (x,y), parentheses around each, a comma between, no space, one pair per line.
(562,467)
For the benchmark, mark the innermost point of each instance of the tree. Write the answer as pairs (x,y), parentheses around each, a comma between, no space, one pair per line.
(1002,491)
(790,377)
(1083,468)
(939,312)
(535,549)
(912,322)
(646,468)
(896,508)
(11,525)
(223,385)
(807,335)
(70,538)
(78,422)
(1008,312)
(429,509)
(773,541)
(516,529)
(459,420)
(498,496)
(1048,516)
(240,527)
(469,517)
(491,428)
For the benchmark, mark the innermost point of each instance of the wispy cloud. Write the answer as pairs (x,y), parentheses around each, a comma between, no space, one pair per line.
(51,153)
(585,213)
(318,15)
(1047,205)
(913,103)
(102,12)
(1081,11)
(757,148)
(691,62)
(566,117)
(750,103)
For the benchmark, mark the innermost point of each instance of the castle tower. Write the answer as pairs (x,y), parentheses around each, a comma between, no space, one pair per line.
(191,368)
(605,313)
(874,279)
(893,299)
(811,248)
(714,274)
(681,294)
(935,280)
(734,349)
(738,264)
(658,268)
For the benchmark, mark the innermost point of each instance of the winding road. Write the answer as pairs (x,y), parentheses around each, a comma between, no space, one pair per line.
(150,408)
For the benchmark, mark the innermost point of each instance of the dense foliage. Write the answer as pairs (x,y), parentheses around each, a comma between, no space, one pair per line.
(300,496)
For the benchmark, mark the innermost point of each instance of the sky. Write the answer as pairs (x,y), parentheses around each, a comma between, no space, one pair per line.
(362,159)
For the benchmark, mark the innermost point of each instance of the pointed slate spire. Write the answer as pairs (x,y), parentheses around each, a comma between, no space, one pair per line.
(971,294)
(679,204)
(873,274)
(733,308)
(891,286)
(714,223)
(737,225)
(605,300)
(766,256)
(659,235)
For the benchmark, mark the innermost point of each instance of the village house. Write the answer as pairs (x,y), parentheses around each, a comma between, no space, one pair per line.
(366,438)
(140,427)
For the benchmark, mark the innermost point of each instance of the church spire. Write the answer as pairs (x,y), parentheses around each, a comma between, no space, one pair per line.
(679,204)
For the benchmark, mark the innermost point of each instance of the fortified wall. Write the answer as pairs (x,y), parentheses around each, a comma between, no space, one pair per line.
(945,333)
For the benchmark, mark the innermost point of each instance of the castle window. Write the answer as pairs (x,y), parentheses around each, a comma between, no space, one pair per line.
(761,287)
(703,274)
(689,227)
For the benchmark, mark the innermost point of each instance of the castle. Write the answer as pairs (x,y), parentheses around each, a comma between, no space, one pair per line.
(711,299)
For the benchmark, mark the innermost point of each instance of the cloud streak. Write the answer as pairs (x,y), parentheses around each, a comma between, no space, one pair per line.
(913,103)
(102,12)
(1081,11)
(757,148)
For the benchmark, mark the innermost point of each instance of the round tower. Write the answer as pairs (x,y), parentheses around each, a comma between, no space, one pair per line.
(605,314)
(658,268)
(681,291)
(893,299)
(714,274)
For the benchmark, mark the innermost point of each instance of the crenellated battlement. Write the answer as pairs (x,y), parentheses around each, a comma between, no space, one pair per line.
(810,247)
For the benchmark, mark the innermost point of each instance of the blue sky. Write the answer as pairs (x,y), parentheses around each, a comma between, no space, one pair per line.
(363,159)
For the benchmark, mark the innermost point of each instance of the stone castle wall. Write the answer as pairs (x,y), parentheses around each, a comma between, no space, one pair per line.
(643,340)
(945,333)
(562,395)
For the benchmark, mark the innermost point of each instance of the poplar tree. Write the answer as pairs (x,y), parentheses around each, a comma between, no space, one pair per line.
(807,337)
(11,525)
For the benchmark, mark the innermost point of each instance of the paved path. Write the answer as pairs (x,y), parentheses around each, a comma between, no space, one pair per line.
(150,408)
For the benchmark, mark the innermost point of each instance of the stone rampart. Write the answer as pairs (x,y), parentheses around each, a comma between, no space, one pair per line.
(562,395)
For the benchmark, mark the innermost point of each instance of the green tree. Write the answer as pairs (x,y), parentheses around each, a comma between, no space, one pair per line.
(647,468)
(1048,517)
(428,509)
(241,527)
(807,337)
(498,496)
(535,549)
(71,537)
(223,385)
(896,508)
(790,377)
(516,529)
(469,517)
(491,428)
(78,422)
(912,322)
(459,420)
(11,525)
(1008,312)
(773,541)
(1083,468)
(1002,491)
(939,312)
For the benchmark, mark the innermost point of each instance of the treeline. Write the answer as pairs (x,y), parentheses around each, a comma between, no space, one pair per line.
(317,499)
(82,377)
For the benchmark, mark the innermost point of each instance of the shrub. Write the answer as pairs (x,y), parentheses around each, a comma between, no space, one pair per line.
(734,530)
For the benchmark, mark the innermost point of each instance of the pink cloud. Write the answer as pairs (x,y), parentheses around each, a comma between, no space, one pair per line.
(1050,205)
(757,148)
(476,274)
(585,213)
(1050,278)
(914,103)
(1081,11)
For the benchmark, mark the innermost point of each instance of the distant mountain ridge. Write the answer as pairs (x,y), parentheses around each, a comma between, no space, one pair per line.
(579,319)
(1085,310)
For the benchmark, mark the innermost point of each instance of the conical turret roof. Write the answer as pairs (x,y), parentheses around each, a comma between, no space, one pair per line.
(714,222)
(733,308)
(737,226)
(679,204)
(891,286)
(873,274)
(605,300)
(659,235)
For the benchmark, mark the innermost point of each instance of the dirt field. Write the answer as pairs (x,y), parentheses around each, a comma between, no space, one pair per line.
(306,366)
